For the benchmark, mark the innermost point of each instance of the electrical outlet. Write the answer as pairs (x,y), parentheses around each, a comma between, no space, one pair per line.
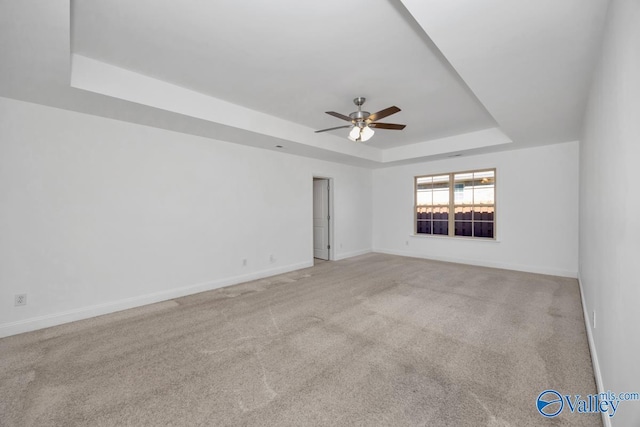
(20,299)
(272,259)
(244,262)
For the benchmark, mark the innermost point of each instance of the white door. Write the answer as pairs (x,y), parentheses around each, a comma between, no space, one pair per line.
(321,218)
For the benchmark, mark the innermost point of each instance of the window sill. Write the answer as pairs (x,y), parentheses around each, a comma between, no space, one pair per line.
(466,239)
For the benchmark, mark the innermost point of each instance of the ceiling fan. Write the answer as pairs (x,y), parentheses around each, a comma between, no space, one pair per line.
(362,122)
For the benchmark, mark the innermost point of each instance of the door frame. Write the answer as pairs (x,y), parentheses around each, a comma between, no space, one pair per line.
(331,216)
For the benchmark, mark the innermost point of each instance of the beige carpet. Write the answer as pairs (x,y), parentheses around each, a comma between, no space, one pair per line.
(372,340)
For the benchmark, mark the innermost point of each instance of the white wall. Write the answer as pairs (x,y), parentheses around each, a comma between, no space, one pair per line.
(98,215)
(610,208)
(536,207)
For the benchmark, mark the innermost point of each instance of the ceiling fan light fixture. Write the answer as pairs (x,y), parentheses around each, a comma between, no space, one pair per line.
(354,134)
(366,133)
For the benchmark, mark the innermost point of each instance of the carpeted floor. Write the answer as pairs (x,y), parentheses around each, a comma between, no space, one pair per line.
(372,340)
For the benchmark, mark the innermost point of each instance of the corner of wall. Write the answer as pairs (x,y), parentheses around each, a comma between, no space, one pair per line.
(606,420)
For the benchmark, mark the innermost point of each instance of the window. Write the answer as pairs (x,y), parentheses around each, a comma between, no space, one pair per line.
(456,204)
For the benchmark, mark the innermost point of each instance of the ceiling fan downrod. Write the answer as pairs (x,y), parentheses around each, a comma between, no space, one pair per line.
(359,116)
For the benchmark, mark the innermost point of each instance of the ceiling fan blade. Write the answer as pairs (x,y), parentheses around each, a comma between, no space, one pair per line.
(383,113)
(391,126)
(338,115)
(339,127)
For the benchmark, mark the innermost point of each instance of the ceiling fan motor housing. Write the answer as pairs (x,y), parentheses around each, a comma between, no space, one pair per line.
(359,116)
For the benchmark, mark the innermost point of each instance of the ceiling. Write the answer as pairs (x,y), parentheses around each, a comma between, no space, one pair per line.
(470,76)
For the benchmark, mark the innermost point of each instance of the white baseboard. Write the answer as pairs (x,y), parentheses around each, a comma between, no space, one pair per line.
(481,263)
(606,420)
(54,319)
(345,255)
